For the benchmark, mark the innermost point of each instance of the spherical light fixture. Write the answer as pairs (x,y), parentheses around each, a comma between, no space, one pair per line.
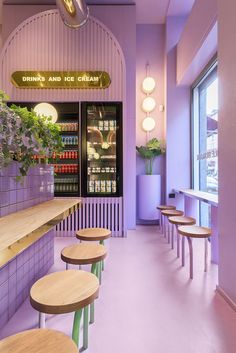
(149,104)
(148,124)
(46,109)
(148,85)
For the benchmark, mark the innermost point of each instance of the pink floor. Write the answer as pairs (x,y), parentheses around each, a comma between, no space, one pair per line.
(147,303)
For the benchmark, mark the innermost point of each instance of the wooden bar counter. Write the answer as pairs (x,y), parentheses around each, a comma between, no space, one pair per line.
(21,229)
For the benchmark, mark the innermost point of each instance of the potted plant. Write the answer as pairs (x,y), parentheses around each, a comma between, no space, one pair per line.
(149,185)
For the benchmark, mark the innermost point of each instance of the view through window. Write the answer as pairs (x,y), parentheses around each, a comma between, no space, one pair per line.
(205,137)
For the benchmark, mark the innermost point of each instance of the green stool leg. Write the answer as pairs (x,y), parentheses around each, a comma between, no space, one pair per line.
(99,271)
(91,321)
(94,271)
(85,327)
(102,243)
(76,327)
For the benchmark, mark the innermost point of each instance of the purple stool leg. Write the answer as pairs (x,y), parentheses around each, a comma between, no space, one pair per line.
(206,254)
(172,236)
(168,229)
(190,244)
(178,239)
(183,250)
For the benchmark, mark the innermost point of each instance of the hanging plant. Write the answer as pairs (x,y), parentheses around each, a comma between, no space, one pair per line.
(23,135)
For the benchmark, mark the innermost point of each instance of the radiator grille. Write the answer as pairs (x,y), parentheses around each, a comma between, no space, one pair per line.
(104,212)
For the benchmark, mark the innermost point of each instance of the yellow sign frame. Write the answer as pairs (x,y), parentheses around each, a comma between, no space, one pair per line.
(61,79)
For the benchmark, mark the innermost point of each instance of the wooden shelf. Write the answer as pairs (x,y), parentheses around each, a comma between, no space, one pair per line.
(21,229)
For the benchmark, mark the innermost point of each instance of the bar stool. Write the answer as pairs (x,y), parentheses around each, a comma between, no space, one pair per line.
(86,254)
(180,221)
(166,214)
(64,292)
(38,341)
(195,232)
(161,208)
(94,234)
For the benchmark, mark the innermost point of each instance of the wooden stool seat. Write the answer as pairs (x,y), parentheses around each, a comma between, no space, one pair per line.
(179,221)
(171,213)
(182,220)
(84,253)
(63,292)
(195,232)
(166,207)
(38,341)
(93,234)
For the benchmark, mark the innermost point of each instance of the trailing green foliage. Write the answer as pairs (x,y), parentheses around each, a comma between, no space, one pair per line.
(152,149)
(23,134)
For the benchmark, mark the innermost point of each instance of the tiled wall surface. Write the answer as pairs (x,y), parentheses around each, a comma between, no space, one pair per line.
(17,276)
(33,189)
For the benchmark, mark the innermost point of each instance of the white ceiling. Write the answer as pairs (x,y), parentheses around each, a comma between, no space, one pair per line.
(148,11)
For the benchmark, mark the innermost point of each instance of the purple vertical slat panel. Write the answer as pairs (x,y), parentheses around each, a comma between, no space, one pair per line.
(101,214)
(120,216)
(116,216)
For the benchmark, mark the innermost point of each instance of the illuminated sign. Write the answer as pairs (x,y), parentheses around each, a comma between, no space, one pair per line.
(61,79)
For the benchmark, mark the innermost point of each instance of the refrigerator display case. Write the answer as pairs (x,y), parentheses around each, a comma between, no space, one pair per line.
(101,124)
(66,166)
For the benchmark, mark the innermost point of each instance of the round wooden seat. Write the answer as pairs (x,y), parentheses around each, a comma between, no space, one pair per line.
(178,221)
(38,341)
(84,253)
(93,234)
(182,220)
(166,207)
(64,291)
(195,232)
(171,213)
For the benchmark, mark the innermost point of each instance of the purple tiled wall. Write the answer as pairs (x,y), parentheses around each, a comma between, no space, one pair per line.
(18,275)
(33,189)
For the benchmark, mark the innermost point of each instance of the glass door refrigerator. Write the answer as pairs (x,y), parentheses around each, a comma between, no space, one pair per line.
(66,166)
(101,124)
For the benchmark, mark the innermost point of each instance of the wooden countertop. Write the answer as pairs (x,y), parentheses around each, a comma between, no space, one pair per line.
(212,199)
(20,229)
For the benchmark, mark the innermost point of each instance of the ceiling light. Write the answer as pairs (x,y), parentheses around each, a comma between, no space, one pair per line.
(74,13)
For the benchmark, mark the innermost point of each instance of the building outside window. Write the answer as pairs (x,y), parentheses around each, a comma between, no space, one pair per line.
(205,137)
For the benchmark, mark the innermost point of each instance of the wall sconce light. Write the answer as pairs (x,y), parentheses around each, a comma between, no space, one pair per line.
(148,85)
(46,109)
(149,104)
(148,124)
(74,13)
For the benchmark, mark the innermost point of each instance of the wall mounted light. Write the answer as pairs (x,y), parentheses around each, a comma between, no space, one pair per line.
(74,13)
(148,85)
(149,104)
(148,124)
(46,109)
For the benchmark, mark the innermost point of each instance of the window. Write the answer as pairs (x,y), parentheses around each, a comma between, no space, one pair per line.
(205,136)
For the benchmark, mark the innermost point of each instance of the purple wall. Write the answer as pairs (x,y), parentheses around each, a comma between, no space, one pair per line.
(36,187)
(150,41)
(177,116)
(227,147)
(18,275)
(198,42)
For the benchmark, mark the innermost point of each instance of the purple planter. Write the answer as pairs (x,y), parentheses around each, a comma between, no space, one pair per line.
(149,196)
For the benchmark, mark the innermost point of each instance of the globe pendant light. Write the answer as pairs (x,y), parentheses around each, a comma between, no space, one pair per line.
(149,104)
(74,13)
(148,124)
(47,110)
(148,85)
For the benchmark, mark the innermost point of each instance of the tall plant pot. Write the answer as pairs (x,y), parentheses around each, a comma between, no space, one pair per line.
(149,196)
